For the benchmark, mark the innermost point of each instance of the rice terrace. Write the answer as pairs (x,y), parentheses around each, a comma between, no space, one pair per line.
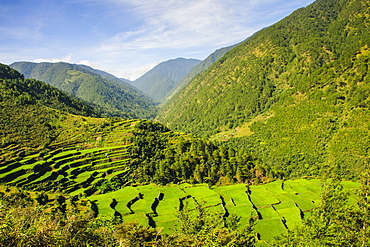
(185,123)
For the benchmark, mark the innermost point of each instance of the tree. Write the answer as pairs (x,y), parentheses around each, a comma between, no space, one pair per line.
(364,207)
(335,222)
(204,227)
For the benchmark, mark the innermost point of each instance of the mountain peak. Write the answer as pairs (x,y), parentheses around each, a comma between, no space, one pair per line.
(160,80)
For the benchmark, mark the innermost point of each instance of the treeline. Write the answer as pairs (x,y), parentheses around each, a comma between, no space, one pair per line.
(31,92)
(8,73)
(336,221)
(15,88)
(162,156)
(322,45)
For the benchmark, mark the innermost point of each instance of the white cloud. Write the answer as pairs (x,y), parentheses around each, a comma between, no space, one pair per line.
(92,65)
(67,58)
(132,36)
(130,74)
(187,28)
(133,74)
(182,24)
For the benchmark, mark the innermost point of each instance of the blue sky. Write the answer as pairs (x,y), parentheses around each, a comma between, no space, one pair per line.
(129,37)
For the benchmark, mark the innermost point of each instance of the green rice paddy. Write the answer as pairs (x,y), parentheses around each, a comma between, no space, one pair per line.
(276,207)
(74,170)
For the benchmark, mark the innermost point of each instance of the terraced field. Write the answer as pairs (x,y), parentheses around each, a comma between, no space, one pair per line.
(276,206)
(83,168)
(69,167)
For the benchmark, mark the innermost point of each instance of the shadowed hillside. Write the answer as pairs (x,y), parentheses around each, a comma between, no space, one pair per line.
(32,111)
(112,95)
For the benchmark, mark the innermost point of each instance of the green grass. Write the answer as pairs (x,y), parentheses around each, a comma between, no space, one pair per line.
(234,194)
(292,216)
(171,201)
(139,218)
(203,195)
(242,211)
(304,204)
(296,186)
(269,228)
(274,204)
(144,205)
(274,187)
(268,213)
(166,222)
(261,197)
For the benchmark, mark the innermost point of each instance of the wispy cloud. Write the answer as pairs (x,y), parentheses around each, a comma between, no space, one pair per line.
(182,24)
(129,36)
(67,58)
(133,74)
(130,74)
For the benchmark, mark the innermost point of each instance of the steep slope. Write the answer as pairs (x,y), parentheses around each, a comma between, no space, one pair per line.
(115,97)
(32,111)
(160,80)
(205,64)
(125,80)
(297,92)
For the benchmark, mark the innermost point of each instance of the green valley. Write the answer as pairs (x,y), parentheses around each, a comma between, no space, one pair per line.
(264,143)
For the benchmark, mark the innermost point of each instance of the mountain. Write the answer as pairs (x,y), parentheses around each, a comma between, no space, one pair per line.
(296,93)
(205,64)
(160,80)
(125,80)
(112,95)
(33,111)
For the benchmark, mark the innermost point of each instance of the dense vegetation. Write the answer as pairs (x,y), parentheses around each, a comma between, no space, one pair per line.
(160,80)
(161,156)
(335,222)
(31,110)
(296,93)
(204,65)
(292,101)
(112,95)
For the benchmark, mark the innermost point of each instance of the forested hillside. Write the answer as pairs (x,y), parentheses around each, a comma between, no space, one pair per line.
(37,122)
(93,183)
(296,94)
(205,64)
(112,95)
(31,110)
(160,80)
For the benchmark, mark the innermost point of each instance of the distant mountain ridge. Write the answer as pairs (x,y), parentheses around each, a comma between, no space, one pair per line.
(32,112)
(205,64)
(296,93)
(114,96)
(160,80)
